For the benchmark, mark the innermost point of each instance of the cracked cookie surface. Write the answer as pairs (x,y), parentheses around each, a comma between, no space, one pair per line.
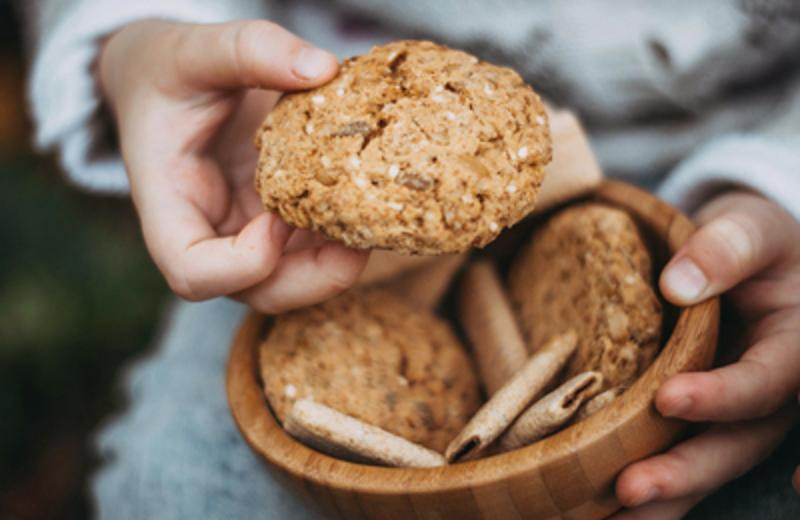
(588,269)
(368,354)
(413,147)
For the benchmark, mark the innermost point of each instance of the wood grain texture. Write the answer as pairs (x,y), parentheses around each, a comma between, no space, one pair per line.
(567,475)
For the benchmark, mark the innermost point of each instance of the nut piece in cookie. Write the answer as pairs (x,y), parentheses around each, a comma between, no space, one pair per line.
(414,147)
(587,268)
(370,355)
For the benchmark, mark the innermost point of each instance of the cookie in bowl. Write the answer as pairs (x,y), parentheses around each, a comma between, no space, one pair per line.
(370,355)
(413,147)
(588,268)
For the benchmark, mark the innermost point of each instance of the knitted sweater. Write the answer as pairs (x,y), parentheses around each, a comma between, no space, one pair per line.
(709,91)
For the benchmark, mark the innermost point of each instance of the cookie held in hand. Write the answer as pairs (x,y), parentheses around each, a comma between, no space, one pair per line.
(414,147)
(370,355)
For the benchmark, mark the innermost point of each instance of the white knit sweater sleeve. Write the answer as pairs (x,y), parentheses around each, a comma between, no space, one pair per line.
(66,108)
(766,159)
(770,166)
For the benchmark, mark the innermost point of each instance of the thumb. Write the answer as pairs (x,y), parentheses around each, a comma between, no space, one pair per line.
(249,54)
(739,237)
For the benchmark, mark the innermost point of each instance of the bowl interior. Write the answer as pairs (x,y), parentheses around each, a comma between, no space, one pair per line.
(503,251)
(564,473)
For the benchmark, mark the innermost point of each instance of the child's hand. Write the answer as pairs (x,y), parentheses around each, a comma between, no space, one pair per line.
(186,121)
(751,247)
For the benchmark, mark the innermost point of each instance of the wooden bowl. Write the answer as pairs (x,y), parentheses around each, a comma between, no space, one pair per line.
(570,474)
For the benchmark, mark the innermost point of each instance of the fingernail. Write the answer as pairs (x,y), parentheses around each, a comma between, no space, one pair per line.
(686,280)
(280,232)
(677,407)
(310,62)
(648,496)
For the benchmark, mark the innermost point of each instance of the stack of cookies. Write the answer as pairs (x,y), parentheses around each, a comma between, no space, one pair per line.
(416,149)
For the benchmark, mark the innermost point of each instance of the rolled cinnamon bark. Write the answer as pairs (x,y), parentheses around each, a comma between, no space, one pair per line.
(489,322)
(509,401)
(346,437)
(552,411)
(598,402)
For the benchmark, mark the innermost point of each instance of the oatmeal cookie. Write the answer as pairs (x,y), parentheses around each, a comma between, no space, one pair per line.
(414,147)
(370,355)
(588,269)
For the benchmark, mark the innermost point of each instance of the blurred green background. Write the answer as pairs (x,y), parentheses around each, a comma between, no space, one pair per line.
(78,296)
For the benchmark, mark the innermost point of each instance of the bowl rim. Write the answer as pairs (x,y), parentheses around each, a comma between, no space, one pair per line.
(691,346)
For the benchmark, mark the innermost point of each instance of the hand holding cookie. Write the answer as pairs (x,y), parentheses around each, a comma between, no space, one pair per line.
(187,100)
(750,247)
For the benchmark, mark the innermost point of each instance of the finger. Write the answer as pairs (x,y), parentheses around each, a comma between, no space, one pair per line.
(304,239)
(219,266)
(755,386)
(306,277)
(761,295)
(662,510)
(742,236)
(233,144)
(703,463)
(787,319)
(245,206)
(249,54)
(195,261)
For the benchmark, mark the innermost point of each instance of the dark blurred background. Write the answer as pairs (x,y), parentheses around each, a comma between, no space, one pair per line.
(78,296)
